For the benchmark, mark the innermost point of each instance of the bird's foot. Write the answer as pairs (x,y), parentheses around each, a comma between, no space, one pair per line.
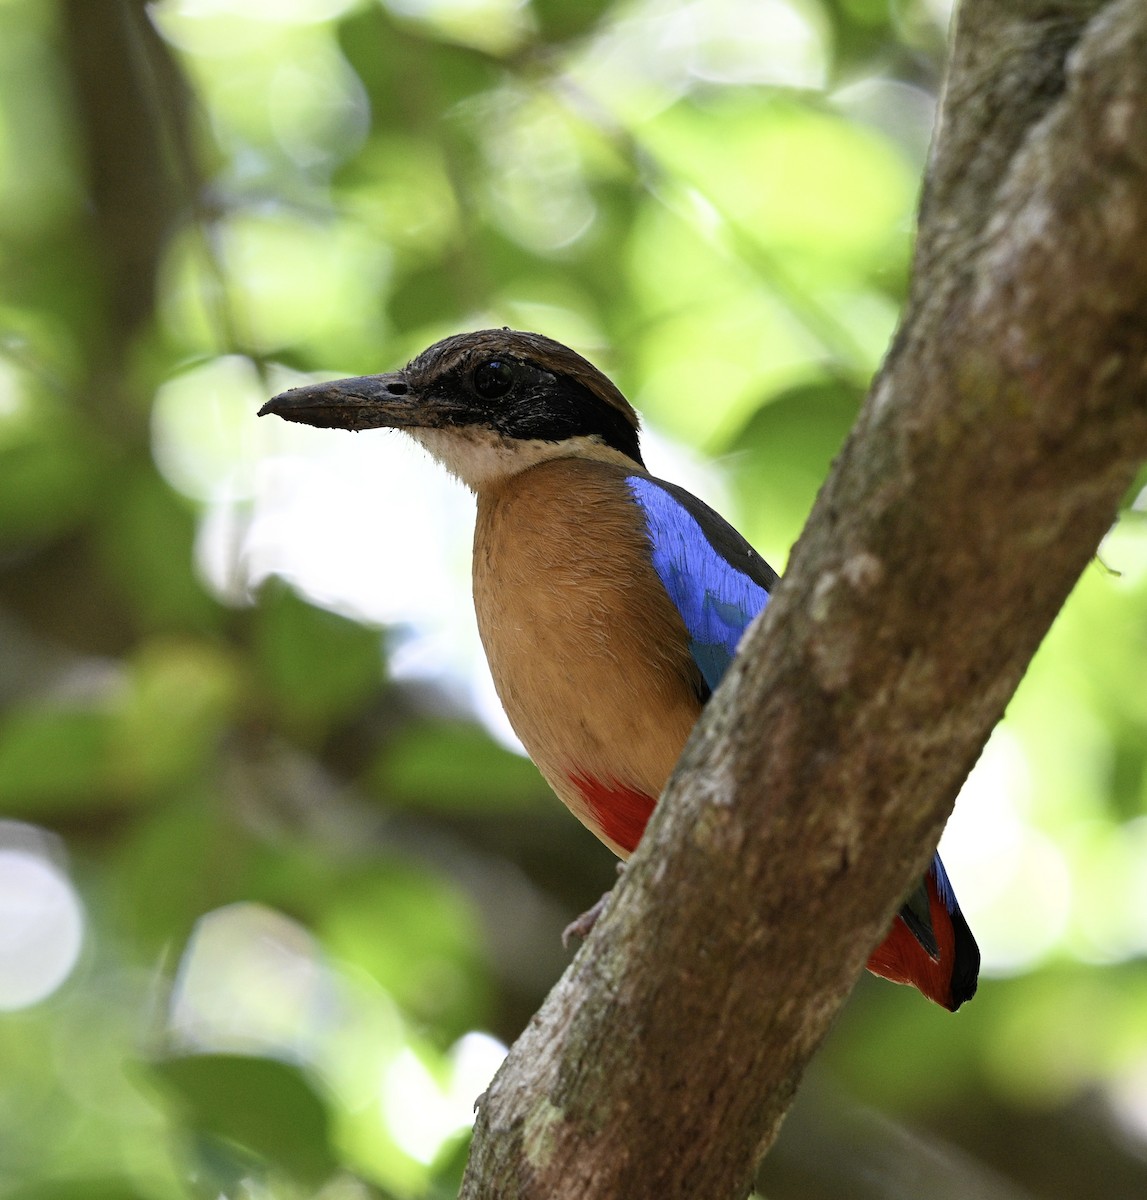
(579,928)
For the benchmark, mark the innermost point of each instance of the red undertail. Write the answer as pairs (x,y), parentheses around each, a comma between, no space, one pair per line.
(901,958)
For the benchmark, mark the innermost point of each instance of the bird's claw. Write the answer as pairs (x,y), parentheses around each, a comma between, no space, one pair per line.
(579,928)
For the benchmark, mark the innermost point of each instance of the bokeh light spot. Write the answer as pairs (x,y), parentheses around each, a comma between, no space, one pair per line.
(252,981)
(421,1111)
(41,922)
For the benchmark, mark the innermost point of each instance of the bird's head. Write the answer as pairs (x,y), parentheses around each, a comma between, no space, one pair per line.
(487,405)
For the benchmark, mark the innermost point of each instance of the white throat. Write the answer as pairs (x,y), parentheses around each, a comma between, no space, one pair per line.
(480,457)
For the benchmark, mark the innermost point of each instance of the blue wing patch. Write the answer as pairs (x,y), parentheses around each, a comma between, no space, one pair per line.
(943,884)
(716,580)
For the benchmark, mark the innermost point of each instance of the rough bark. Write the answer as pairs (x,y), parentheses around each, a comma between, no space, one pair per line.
(1006,425)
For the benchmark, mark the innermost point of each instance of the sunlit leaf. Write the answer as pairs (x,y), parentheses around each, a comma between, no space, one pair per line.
(416,936)
(201,429)
(290,281)
(400,189)
(178,697)
(781,169)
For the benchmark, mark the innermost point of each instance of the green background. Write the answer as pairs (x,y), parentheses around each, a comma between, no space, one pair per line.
(275,889)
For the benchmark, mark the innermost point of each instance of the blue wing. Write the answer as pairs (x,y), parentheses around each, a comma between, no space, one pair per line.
(716,580)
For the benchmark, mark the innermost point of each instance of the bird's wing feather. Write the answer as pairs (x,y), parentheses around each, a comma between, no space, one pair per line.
(716,580)
(718,584)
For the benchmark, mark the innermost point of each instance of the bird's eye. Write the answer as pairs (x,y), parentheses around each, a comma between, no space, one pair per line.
(493,378)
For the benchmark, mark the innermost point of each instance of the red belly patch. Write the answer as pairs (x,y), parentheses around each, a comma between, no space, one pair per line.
(619,812)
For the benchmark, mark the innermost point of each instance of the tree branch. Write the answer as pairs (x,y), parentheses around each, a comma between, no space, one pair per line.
(1005,427)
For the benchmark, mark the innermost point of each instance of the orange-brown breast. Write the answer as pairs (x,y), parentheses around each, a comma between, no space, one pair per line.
(590,658)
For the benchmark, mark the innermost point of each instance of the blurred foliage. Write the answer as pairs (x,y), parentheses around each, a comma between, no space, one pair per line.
(273,891)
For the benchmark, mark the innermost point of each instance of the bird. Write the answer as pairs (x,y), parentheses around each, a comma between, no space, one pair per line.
(610,603)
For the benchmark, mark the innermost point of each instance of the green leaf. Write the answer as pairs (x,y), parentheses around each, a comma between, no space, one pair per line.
(81,1189)
(396,62)
(426,298)
(789,444)
(169,869)
(266,1107)
(316,665)
(559,20)
(147,545)
(454,765)
(50,464)
(417,936)
(180,694)
(794,165)
(54,758)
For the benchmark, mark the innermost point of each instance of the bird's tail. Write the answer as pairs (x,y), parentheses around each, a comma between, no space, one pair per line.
(930,945)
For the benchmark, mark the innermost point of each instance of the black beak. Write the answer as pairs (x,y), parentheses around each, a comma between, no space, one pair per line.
(366,402)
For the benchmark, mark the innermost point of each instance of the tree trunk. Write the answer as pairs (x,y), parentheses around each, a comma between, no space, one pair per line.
(1004,429)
